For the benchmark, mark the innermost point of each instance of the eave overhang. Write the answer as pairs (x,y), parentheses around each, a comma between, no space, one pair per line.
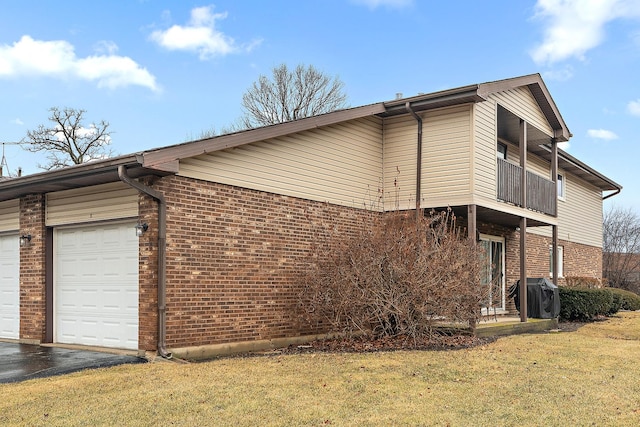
(583,171)
(542,96)
(84,175)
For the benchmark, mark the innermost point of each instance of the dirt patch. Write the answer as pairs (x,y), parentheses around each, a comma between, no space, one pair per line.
(368,344)
(570,326)
(566,326)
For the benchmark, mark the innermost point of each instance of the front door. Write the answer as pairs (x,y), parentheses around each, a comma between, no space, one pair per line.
(493,280)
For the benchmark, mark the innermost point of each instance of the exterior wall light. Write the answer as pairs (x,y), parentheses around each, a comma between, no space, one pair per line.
(25,239)
(141,228)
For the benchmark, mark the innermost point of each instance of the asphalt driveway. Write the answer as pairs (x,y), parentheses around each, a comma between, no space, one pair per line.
(20,362)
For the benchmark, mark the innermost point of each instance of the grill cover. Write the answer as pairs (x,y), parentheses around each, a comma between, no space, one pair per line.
(543,299)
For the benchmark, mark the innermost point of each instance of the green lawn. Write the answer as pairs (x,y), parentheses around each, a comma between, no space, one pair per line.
(587,377)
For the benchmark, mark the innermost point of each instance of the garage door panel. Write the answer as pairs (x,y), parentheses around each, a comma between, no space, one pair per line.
(9,286)
(97,286)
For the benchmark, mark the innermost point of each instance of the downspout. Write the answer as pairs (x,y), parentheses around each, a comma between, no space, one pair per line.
(162,259)
(419,158)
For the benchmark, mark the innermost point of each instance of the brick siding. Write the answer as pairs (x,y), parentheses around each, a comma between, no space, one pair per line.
(32,269)
(233,260)
(148,274)
(579,260)
(233,256)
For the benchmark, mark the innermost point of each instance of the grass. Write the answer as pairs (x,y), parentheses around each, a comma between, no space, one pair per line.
(586,377)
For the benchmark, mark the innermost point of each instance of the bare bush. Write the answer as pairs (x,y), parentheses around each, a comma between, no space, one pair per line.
(621,248)
(395,276)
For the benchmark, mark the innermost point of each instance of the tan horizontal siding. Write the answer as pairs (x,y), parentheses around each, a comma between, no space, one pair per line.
(446,153)
(521,102)
(88,204)
(446,169)
(10,215)
(580,214)
(400,136)
(338,164)
(485,149)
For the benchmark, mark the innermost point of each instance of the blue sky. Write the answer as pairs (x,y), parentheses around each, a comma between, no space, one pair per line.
(162,72)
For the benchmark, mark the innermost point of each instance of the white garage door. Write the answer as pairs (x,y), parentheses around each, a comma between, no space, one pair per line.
(9,286)
(96,285)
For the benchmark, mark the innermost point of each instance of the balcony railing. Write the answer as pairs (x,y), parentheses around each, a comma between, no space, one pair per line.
(541,195)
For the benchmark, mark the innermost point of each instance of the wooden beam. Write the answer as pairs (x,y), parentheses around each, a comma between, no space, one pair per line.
(472,222)
(554,228)
(554,253)
(554,173)
(523,269)
(522,141)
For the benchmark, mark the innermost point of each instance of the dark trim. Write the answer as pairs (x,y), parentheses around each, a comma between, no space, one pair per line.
(523,269)
(48,285)
(418,158)
(162,255)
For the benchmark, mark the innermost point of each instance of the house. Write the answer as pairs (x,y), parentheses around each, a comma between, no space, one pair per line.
(195,247)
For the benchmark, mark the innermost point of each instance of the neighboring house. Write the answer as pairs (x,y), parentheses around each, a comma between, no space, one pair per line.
(225,222)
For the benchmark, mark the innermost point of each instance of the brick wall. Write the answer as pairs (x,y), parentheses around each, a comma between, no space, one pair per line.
(579,260)
(233,257)
(148,274)
(32,269)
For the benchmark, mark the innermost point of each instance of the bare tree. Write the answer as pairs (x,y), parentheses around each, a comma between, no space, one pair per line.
(67,141)
(291,95)
(621,247)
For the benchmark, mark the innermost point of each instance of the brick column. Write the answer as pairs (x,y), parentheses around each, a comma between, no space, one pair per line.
(148,275)
(32,269)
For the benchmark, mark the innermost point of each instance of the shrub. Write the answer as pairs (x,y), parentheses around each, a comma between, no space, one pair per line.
(627,300)
(397,275)
(585,304)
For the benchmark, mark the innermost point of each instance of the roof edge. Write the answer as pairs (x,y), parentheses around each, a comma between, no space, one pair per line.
(542,96)
(153,158)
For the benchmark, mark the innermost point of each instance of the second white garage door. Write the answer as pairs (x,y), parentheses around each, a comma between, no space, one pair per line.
(9,286)
(96,285)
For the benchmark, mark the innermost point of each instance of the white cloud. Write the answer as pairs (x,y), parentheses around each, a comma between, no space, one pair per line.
(565,145)
(106,47)
(57,59)
(575,26)
(373,4)
(602,134)
(17,121)
(560,74)
(200,35)
(633,107)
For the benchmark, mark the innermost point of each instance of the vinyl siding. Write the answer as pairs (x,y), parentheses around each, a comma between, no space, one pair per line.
(579,215)
(340,164)
(400,137)
(521,102)
(485,149)
(10,215)
(446,158)
(88,204)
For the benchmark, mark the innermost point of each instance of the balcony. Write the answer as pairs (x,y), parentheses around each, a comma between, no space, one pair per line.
(541,192)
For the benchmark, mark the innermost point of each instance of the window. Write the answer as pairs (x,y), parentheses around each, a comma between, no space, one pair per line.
(502,151)
(561,187)
(560,261)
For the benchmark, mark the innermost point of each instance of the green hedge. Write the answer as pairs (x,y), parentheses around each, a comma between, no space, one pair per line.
(585,305)
(627,300)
